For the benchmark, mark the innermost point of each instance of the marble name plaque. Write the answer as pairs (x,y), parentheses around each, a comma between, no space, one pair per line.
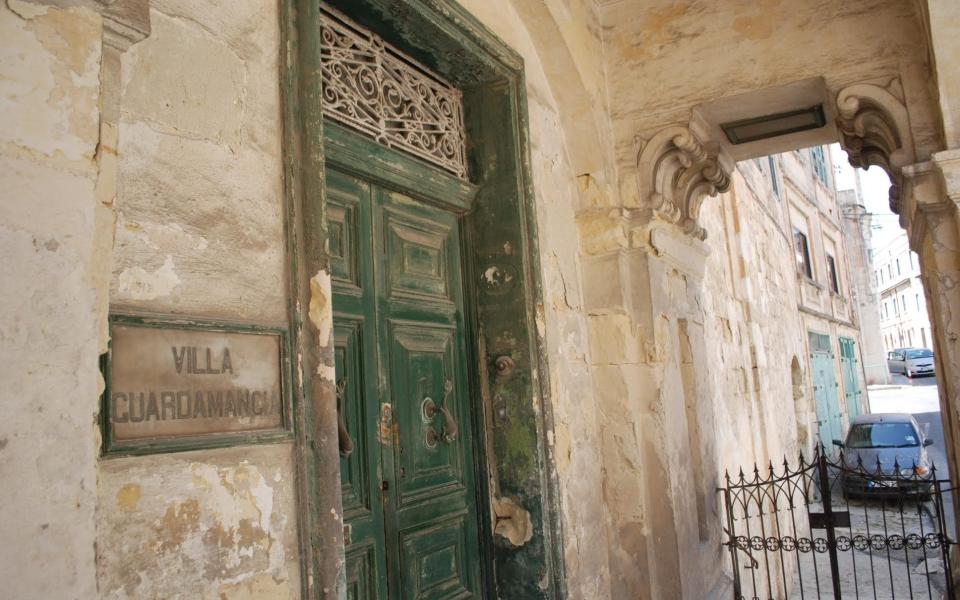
(170,382)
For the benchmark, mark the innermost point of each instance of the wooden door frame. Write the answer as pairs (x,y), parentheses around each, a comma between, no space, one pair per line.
(512,408)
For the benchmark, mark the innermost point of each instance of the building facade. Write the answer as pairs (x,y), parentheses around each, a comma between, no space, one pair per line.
(857,223)
(419,298)
(903,306)
(826,288)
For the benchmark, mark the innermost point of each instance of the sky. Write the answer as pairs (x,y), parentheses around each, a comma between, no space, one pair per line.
(875,189)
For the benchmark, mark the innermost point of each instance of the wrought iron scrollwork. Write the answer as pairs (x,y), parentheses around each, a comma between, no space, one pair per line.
(372,87)
(833,527)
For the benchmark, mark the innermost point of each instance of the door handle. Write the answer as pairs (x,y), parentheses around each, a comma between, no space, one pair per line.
(450,427)
(343,434)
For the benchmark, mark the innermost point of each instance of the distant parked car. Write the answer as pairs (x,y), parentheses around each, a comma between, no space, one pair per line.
(910,361)
(885,454)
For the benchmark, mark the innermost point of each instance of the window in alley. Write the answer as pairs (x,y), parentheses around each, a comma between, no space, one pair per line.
(898,266)
(819,164)
(832,274)
(819,342)
(803,253)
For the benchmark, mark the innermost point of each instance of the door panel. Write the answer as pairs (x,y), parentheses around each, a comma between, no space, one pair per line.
(417,256)
(354,333)
(422,364)
(424,348)
(825,396)
(408,488)
(851,383)
(436,560)
(362,576)
(355,481)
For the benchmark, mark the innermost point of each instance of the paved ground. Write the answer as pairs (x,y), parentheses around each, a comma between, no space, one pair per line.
(888,574)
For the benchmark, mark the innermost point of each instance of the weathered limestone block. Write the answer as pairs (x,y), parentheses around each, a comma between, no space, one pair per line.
(602,230)
(200,217)
(199,232)
(613,340)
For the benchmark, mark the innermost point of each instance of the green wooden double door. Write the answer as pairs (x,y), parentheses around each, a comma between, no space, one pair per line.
(408,486)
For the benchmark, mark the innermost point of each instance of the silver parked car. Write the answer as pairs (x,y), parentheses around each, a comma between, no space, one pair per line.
(910,361)
(887,456)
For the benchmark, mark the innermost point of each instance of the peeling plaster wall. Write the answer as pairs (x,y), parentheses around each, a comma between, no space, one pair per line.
(199,233)
(49,90)
(692,346)
(574,442)
(199,525)
(943,18)
(752,333)
(754,46)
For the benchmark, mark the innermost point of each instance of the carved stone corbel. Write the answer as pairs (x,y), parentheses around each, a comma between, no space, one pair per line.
(875,131)
(677,171)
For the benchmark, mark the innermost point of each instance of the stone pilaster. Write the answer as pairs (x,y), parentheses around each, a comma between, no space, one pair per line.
(125,22)
(931,197)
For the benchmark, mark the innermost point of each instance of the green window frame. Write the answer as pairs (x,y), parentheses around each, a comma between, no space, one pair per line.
(819,160)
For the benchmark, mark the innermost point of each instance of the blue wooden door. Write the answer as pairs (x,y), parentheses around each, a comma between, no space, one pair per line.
(825,388)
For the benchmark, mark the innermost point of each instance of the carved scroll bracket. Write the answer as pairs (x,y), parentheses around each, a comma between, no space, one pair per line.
(677,171)
(875,131)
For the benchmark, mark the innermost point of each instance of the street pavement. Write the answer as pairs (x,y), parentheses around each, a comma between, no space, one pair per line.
(908,575)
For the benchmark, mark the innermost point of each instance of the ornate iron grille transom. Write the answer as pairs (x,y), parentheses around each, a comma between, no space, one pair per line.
(372,87)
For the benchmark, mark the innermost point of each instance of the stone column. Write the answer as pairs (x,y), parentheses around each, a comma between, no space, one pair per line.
(642,280)
(59,59)
(627,366)
(931,215)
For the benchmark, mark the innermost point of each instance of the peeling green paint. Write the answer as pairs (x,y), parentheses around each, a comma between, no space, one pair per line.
(501,264)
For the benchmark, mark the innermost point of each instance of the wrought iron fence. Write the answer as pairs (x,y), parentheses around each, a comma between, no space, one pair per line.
(836,528)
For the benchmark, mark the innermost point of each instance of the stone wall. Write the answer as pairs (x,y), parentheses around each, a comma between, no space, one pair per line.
(670,359)
(49,101)
(199,234)
(700,363)
(554,77)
